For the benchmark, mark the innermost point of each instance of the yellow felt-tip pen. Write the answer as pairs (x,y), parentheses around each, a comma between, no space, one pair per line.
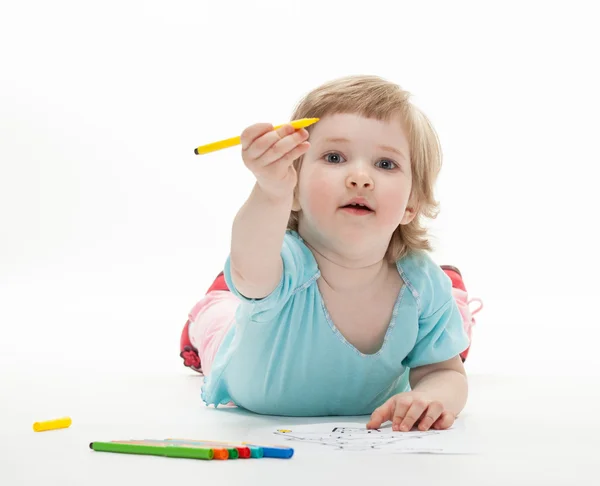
(60,423)
(232,142)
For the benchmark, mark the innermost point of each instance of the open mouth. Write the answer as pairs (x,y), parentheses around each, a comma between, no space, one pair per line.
(357,208)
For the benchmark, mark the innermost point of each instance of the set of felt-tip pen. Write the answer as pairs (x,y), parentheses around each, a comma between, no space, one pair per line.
(194,449)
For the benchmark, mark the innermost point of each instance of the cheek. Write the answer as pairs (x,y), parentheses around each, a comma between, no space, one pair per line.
(317,195)
(396,199)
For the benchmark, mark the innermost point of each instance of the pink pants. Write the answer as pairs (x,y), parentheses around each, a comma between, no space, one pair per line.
(210,319)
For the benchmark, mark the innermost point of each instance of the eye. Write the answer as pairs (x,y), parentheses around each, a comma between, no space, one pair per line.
(387,164)
(333,158)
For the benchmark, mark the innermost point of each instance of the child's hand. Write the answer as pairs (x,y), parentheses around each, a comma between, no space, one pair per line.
(269,155)
(405,409)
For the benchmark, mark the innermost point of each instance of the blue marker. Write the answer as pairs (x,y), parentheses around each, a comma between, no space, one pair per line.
(279,452)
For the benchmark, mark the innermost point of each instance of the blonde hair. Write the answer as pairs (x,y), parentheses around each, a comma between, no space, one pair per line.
(374,97)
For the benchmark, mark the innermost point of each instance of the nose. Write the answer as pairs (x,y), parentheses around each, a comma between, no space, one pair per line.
(359,179)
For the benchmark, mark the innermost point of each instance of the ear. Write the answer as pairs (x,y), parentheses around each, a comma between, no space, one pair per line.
(410,212)
(409,215)
(412,209)
(296,203)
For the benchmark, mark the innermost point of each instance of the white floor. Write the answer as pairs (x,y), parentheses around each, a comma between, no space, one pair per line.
(533,431)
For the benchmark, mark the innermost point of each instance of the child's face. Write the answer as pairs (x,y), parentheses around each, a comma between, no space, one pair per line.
(354,157)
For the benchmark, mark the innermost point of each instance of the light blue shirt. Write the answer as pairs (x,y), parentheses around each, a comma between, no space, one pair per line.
(284,355)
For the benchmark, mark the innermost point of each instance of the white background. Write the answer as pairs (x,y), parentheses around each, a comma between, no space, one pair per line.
(111,228)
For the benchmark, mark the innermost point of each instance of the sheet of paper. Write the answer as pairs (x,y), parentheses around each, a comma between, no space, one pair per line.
(355,437)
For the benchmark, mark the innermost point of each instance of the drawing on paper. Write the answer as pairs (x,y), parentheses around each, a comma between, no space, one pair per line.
(352,437)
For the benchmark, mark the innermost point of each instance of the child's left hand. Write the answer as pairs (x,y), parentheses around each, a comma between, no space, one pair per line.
(405,409)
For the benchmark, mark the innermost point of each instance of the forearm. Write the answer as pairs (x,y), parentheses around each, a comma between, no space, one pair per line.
(256,240)
(447,386)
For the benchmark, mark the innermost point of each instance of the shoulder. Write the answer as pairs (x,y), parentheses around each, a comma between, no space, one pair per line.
(299,270)
(293,243)
(428,283)
(297,257)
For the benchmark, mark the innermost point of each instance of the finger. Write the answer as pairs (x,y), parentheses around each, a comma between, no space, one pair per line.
(445,421)
(413,414)
(280,170)
(265,141)
(283,147)
(250,134)
(433,412)
(382,414)
(403,403)
(288,159)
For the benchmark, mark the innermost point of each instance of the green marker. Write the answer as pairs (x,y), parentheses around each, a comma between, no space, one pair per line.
(233,452)
(154,450)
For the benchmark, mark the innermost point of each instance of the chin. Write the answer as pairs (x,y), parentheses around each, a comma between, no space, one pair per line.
(355,242)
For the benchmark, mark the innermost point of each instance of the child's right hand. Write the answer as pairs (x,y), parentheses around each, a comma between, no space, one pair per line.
(269,154)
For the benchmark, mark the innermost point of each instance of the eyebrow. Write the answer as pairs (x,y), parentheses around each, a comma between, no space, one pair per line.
(388,148)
